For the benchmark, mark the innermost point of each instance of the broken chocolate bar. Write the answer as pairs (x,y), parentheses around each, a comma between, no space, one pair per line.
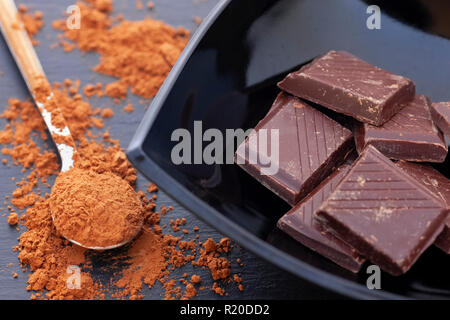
(410,135)
(441,116)
(298,223)
(342,82)
(384,213)
(438,185)
(310,146)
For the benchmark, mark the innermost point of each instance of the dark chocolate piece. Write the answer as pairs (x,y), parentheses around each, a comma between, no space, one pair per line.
(441,116)
(410,135)
(384,213)
(439,185)
(298,223)
(344,83)
(310,145)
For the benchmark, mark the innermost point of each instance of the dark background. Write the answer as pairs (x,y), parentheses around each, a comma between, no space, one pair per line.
(261,279)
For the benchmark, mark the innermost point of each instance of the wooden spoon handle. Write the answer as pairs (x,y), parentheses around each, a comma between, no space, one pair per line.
(22,49)
(20,44)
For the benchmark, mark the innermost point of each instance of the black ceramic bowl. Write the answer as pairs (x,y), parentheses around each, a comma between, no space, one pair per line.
(226,78)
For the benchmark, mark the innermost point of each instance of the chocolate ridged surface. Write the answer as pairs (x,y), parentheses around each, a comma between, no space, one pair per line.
(311,146)
(299,224)
(385,214)
(438,185)
(441,116)
(346,84)
(410,135)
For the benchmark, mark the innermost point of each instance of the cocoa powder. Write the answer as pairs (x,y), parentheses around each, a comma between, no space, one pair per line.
(151,257)
(95,210)
(13,219)
(140,62)
(154,255)
(33,22)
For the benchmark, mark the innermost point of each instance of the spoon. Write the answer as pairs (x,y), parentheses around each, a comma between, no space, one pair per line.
(31,69)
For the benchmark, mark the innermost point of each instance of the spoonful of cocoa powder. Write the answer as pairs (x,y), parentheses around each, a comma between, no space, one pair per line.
(96,211)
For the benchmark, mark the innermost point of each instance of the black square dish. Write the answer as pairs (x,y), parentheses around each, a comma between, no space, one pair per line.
(227,78)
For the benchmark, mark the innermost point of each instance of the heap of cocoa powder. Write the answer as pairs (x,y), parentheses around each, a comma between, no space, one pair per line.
(95,210)
(140,53)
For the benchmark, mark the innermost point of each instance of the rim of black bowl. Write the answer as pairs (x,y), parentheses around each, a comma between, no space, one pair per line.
(211,216)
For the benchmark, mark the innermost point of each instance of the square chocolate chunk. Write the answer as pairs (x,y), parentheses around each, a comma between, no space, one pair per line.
(439,185)
(384,213)
(310,146)
(410,135)
(441,116)
(299,224)
(346,84)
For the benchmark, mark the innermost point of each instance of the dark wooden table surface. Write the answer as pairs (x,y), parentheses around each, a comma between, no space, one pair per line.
(261,279)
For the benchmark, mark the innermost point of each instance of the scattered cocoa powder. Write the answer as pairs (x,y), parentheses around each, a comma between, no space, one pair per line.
(190,292)
(116,90)
(217,289)
(153,255)
(48,256)
(196,279)
(33,22)
(152,188)
(98,123)
(13,219)
(147,264)
(128,108)
(141,63)
(225,244)
(198,21)
(92,90)
(103,5)
(150,258)
(238,280)
(107,113)
(210,258)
